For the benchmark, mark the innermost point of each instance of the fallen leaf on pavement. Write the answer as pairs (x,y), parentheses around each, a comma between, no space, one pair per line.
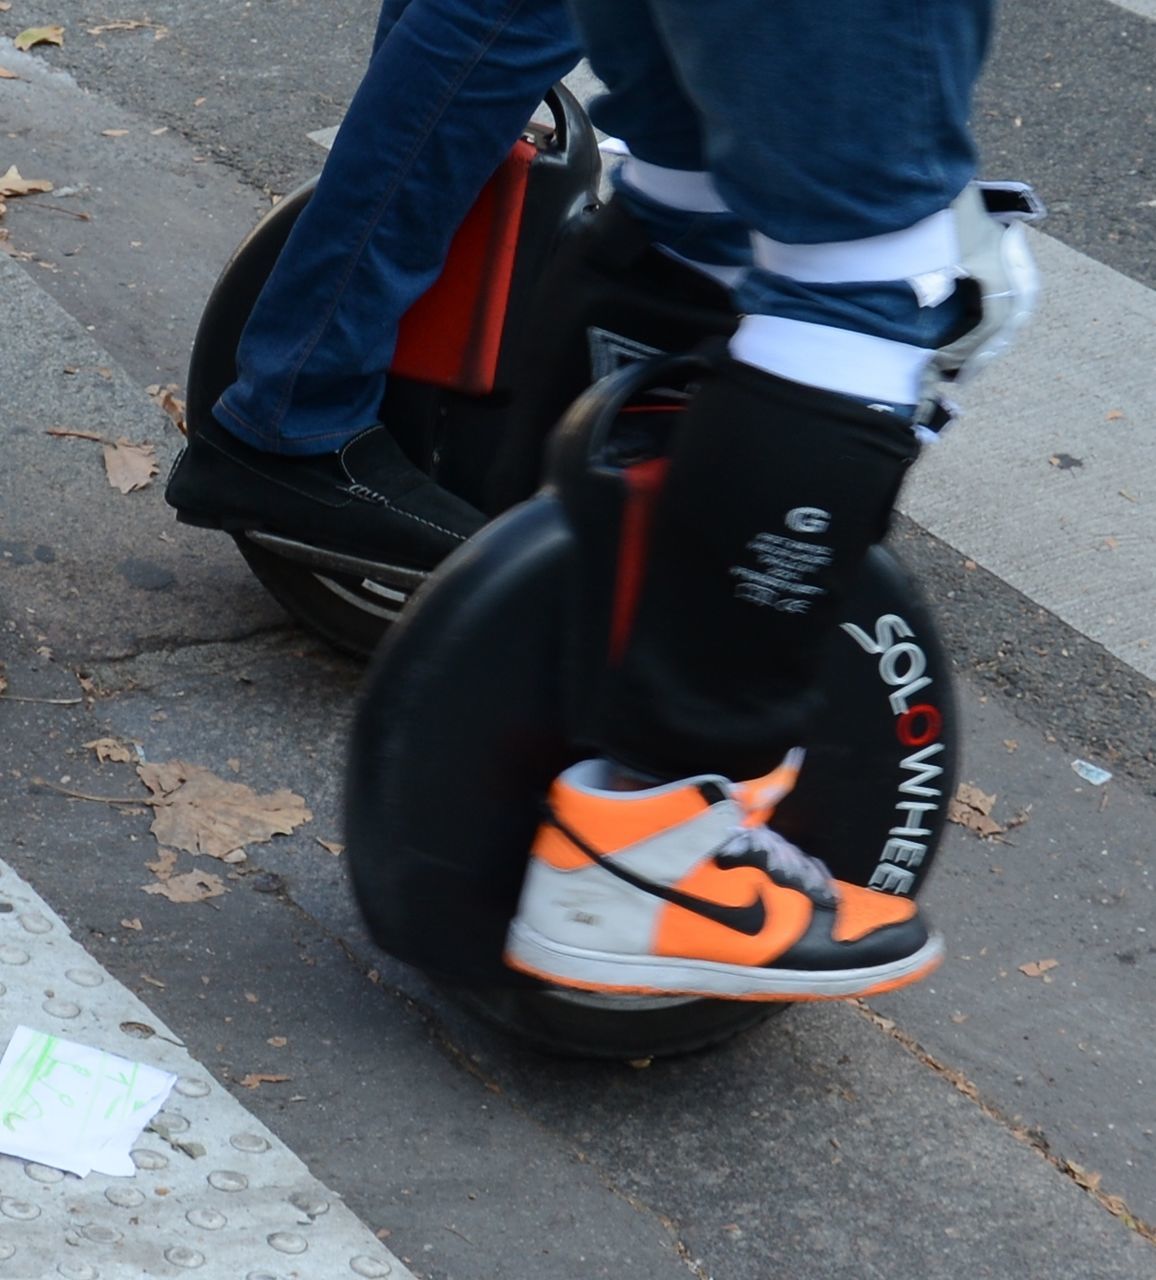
(129,466)
(165,864)
(330,846)
(171,403)
(68,433)
(12,184)
(153,982)
(133,924)
(130,24)
(1037,968)
(190,886)
(114,133)
(970,807)
(111,749)
(1084,1177)
(278,1042)
(255,1079)
(5,74)
(38,35)
(201,813)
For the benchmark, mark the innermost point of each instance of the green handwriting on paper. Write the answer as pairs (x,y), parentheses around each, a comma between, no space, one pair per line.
(48,1082)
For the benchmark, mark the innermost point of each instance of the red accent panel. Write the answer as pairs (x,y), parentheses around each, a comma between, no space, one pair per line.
(452,334)
(643,485)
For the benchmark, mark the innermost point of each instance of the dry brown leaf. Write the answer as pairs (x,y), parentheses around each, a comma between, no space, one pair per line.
(130,24)
(12,184)
(153,982)
(970,807)
(201,813)
(38,35)
(129,466)
(330,846)
(171,403)
(278,1042)
(5,74)
(190,886)
(5,5)
(1037,968)
(1114,415)
(133,924)
(1084,1177)
(112,749)
(165,864)
(68,433)
(255,1079)
(114,133)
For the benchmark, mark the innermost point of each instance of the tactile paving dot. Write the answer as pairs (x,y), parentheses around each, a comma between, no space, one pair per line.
(180,1255)
(288,1242)
(61,1008)
(144,1158)
(125,1197)
(370,1268)
(99,1234)
(42,1173)
(310,1205)
(170,1122)
(13,955)
(190,1087)
(6,1250)
(251,1142)
(227,1180)
(34,922)
(18,1210)
(206,1219)
(84,977)
(77,1271)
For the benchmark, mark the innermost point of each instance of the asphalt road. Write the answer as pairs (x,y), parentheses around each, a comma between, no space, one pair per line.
(989,1123)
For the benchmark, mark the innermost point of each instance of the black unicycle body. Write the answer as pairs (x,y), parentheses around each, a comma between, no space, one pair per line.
(468,709)
(473,706)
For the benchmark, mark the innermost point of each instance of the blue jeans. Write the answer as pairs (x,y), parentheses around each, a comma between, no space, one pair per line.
(449,88)
(819,122)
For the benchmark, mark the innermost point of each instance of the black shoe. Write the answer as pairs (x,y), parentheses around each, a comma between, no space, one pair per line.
(366,500)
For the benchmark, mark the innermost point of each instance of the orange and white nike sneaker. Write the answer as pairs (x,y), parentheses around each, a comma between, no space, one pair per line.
(682,889)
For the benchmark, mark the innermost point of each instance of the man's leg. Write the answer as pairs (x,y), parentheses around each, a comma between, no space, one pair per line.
(450,86)
(294,447)
(838,135)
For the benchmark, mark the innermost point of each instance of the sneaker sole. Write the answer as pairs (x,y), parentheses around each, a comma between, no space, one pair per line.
(530,952)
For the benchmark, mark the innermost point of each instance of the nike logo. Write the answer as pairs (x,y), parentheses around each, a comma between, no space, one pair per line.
(749,919)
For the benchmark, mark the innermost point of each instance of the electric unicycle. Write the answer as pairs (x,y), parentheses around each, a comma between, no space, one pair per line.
(473,702)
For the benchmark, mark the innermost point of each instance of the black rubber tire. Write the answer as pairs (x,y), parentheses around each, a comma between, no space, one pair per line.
(467,688)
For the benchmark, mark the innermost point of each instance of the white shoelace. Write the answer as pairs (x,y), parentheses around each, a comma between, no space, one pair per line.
(810,874)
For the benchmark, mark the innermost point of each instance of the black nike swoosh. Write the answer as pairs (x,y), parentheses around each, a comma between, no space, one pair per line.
(750,919)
